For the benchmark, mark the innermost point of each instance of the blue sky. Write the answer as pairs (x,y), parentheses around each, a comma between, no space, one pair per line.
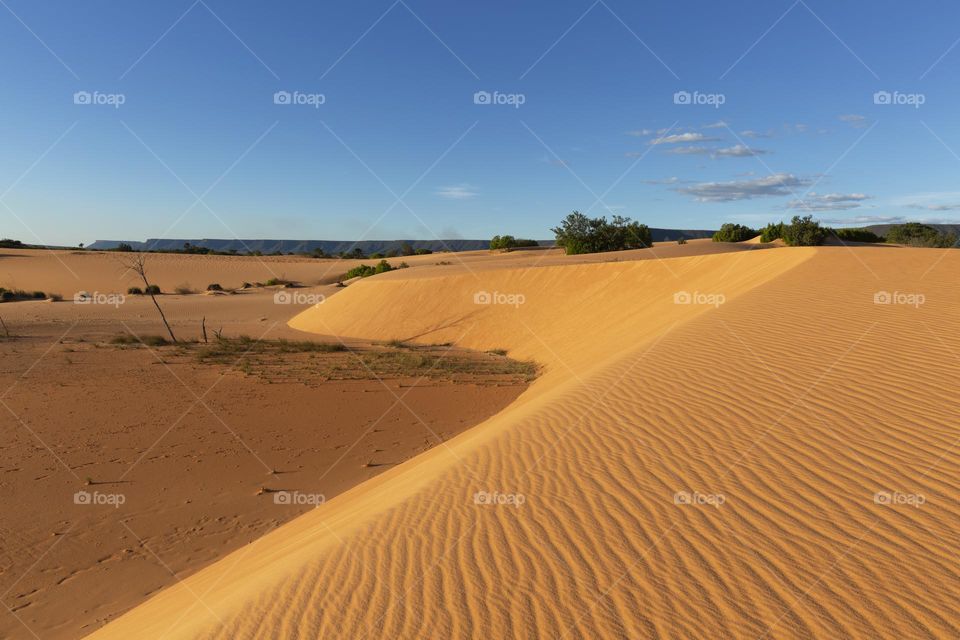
(787,120)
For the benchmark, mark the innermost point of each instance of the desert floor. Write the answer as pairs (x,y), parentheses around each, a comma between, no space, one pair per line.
(727,441)
(191,459)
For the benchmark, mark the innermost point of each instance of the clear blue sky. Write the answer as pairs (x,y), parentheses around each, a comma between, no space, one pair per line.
(200,149)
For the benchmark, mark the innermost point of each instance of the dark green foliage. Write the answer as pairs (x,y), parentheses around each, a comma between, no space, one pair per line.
(731,232)
(579,234)
(365,270)
(771,232)
(152,290)
(856,235)
(682,240)
(422,252)
(509,242)
(124,247)
(134,291)
(803,232)
(915,234)
(15,295)
(7,243)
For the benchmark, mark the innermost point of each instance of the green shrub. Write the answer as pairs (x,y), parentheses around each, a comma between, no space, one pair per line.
(731,232)
(915,234)
(509,242)
(771,232)
(803,232)
(214,287)
(365,270)
(856,235)
(579,234)
(682,240)
(152,290)
(134,291)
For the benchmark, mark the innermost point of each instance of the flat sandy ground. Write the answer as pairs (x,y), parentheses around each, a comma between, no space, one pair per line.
(191,460)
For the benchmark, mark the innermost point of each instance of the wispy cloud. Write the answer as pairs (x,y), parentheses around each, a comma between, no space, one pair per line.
(740,151)
(779,184)
(720,124)
(691,150)
(670,180)
(854,120)
(866,220)
(829,202)
(750,133)
(682,137)
(457,192)
(643,133)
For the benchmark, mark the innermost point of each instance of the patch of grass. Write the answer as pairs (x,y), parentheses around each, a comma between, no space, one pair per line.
(184,290)
(497,352)
(229,349)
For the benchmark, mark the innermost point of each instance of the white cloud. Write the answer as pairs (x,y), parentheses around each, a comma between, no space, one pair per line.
(750,133)
(829,202)
(720,124)
(457,192)
(670,180)
(936,207)
(854,120)
(682,137)
(740,151)
(779,184)
(866,220)
(642,133)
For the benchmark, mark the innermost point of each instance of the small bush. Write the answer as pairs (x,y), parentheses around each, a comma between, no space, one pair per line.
(152,290)
(150,341)
(803,232)
(403,265)
(682,240)
(184,290)
(134,291)
(214,287)
(365,271)
(509,242)
(731,232)
(422,252)
(15,295)
(56,297)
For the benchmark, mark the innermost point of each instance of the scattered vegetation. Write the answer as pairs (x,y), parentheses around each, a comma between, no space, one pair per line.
(134,291)
(915,234)
(771,232)
(682,240)
(16,295)
(731,232)
(365,270)
(509,242)
(214,287)
(7,243)
(184,289)
(856,235)
(579,234)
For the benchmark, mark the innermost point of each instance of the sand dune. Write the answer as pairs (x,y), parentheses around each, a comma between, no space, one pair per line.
(781,465)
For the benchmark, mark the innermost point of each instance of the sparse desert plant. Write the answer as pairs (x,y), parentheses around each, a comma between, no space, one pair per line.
(365,271)
(731,232)
(682,240)
(214,287)
(803,232)
(184,289)
(138,264)
(150,341)
(134,291)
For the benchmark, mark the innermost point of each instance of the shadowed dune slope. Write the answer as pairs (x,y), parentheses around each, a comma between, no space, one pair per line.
(807,433)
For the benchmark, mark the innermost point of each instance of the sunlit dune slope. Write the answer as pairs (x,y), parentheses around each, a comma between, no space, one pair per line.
(779,466)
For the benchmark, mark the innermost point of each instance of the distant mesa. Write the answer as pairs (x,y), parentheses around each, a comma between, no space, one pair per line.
(334,247)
